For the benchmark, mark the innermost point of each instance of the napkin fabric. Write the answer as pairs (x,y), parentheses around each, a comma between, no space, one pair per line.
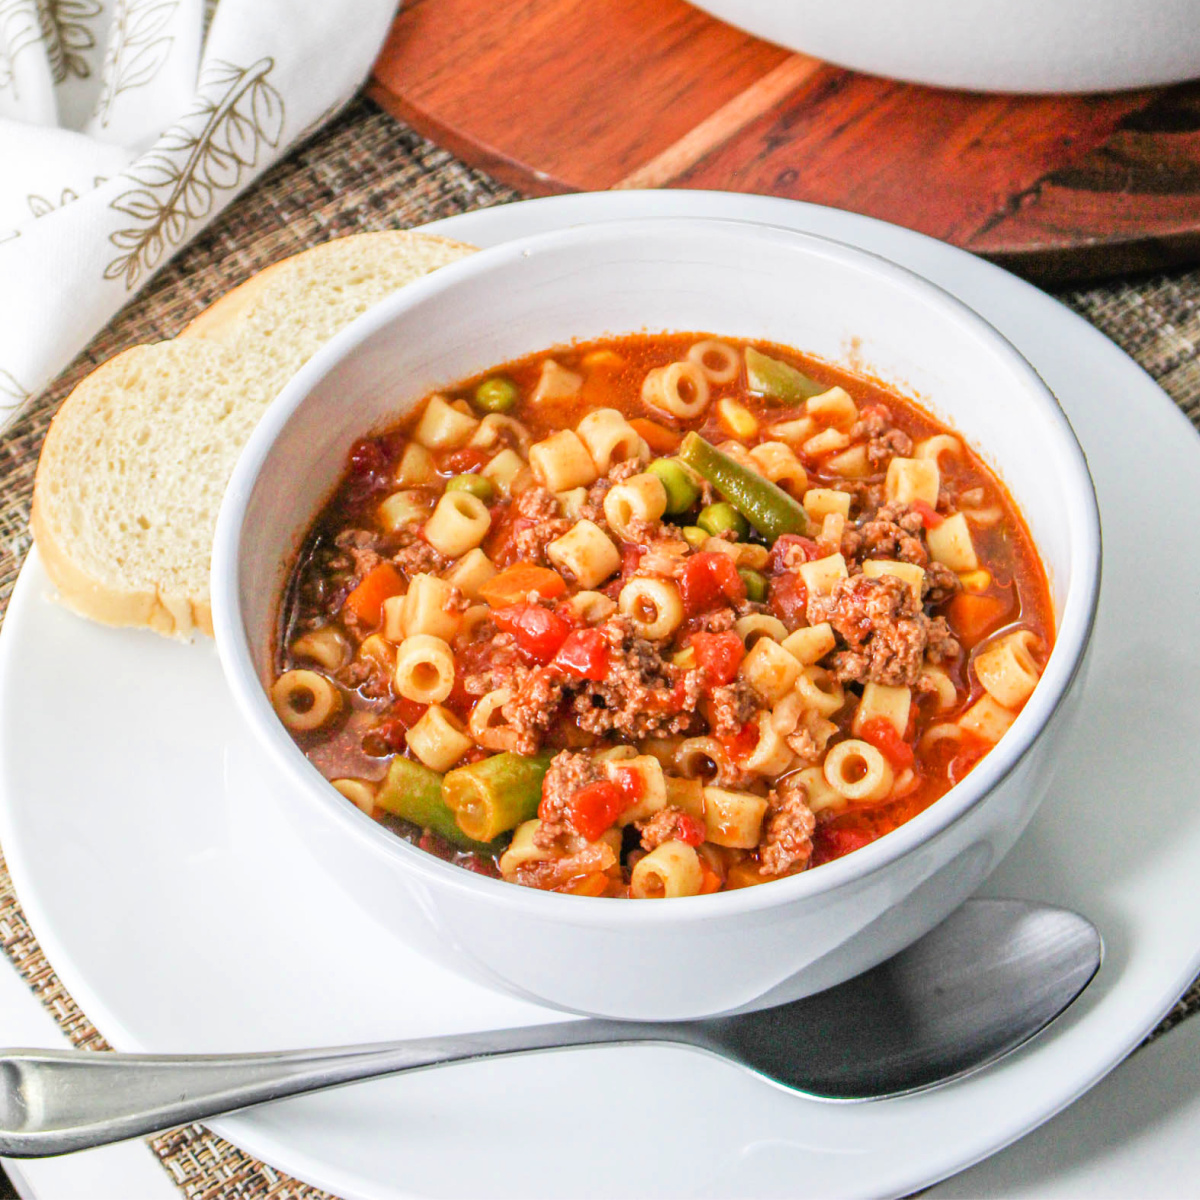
(126,126)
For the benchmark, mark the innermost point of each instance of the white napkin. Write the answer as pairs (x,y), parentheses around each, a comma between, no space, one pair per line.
(126,126)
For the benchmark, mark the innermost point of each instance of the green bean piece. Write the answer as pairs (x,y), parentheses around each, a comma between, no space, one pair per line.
(779,380)
(682,490)
(414,792)
(694,536)
(479,486)
(756,584)
(497,394)
(496,794)
(768,508)
(719,518)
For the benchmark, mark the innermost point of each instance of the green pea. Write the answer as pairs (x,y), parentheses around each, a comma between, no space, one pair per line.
(478,485)
(682,490)
(719,517)
(756,584)
(694,536)
(497,394)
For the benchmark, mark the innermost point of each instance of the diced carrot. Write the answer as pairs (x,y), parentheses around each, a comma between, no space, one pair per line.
(379,584)
(710,881)
(973,617)
(513,585)
(658,437)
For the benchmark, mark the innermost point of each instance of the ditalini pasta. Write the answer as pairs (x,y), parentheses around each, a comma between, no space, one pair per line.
(659,616)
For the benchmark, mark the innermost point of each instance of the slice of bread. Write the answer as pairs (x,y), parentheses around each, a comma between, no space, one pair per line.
(284,314)
(131,477)
(136,461)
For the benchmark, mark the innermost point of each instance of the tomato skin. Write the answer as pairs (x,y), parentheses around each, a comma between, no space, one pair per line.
(779,552)
(539,631)
(718,655)
(833,841)
(741,744)
(929,515)
(708,581)
(464,461)
(788,599)
(595,808)
(631,784)
(584,654)
(883,736)
(690,830)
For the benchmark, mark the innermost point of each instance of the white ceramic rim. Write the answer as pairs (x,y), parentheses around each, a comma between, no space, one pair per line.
(233,648)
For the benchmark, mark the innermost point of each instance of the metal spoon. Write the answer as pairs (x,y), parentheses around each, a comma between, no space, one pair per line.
(985,981)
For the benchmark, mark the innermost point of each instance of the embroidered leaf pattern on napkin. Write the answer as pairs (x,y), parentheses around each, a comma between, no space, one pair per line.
(20,28)
(10,390)
(137,48)
(178,182)
(67,36)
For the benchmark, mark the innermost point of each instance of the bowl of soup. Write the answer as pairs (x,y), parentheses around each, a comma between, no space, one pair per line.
(1018,46)
(660,618)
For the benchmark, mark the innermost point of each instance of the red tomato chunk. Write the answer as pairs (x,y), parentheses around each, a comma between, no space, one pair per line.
(718,655)
(539,631)
(710,580)
(584,655)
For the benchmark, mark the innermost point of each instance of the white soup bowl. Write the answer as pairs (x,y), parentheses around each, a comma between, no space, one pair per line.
(707,954)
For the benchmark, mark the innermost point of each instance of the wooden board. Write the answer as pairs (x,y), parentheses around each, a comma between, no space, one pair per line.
(574,95)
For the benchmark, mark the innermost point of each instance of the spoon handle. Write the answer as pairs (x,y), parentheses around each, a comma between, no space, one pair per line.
(56,1101)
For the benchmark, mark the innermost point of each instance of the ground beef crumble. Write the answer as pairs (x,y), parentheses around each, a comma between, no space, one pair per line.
(567,774)
(788,829)
(731,706)
(667,825)
(883,626)
(893,532)
(415,556)
(884,441)
(636,699)
(534,705)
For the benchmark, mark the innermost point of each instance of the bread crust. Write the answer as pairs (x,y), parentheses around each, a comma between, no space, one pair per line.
(219,321)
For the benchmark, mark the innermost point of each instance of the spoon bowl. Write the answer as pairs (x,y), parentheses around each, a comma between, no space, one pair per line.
(983,982)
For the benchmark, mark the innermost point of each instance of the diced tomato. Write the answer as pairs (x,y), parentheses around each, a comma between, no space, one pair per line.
(464,461)
(584,655)
(833,841)
(379,584)
(882,735)
(631,555)
(741,744)
(595,808)
(691,831)
(539,632)
(631,784)
(791,541)
(408,712)
(718,655)
(788,599)
(367,456)
(964,761)
(709,580)
(929,515)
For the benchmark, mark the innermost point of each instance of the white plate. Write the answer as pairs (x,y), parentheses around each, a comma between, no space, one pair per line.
(182,913)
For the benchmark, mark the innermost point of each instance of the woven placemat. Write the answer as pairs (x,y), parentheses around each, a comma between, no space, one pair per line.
(368,171)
